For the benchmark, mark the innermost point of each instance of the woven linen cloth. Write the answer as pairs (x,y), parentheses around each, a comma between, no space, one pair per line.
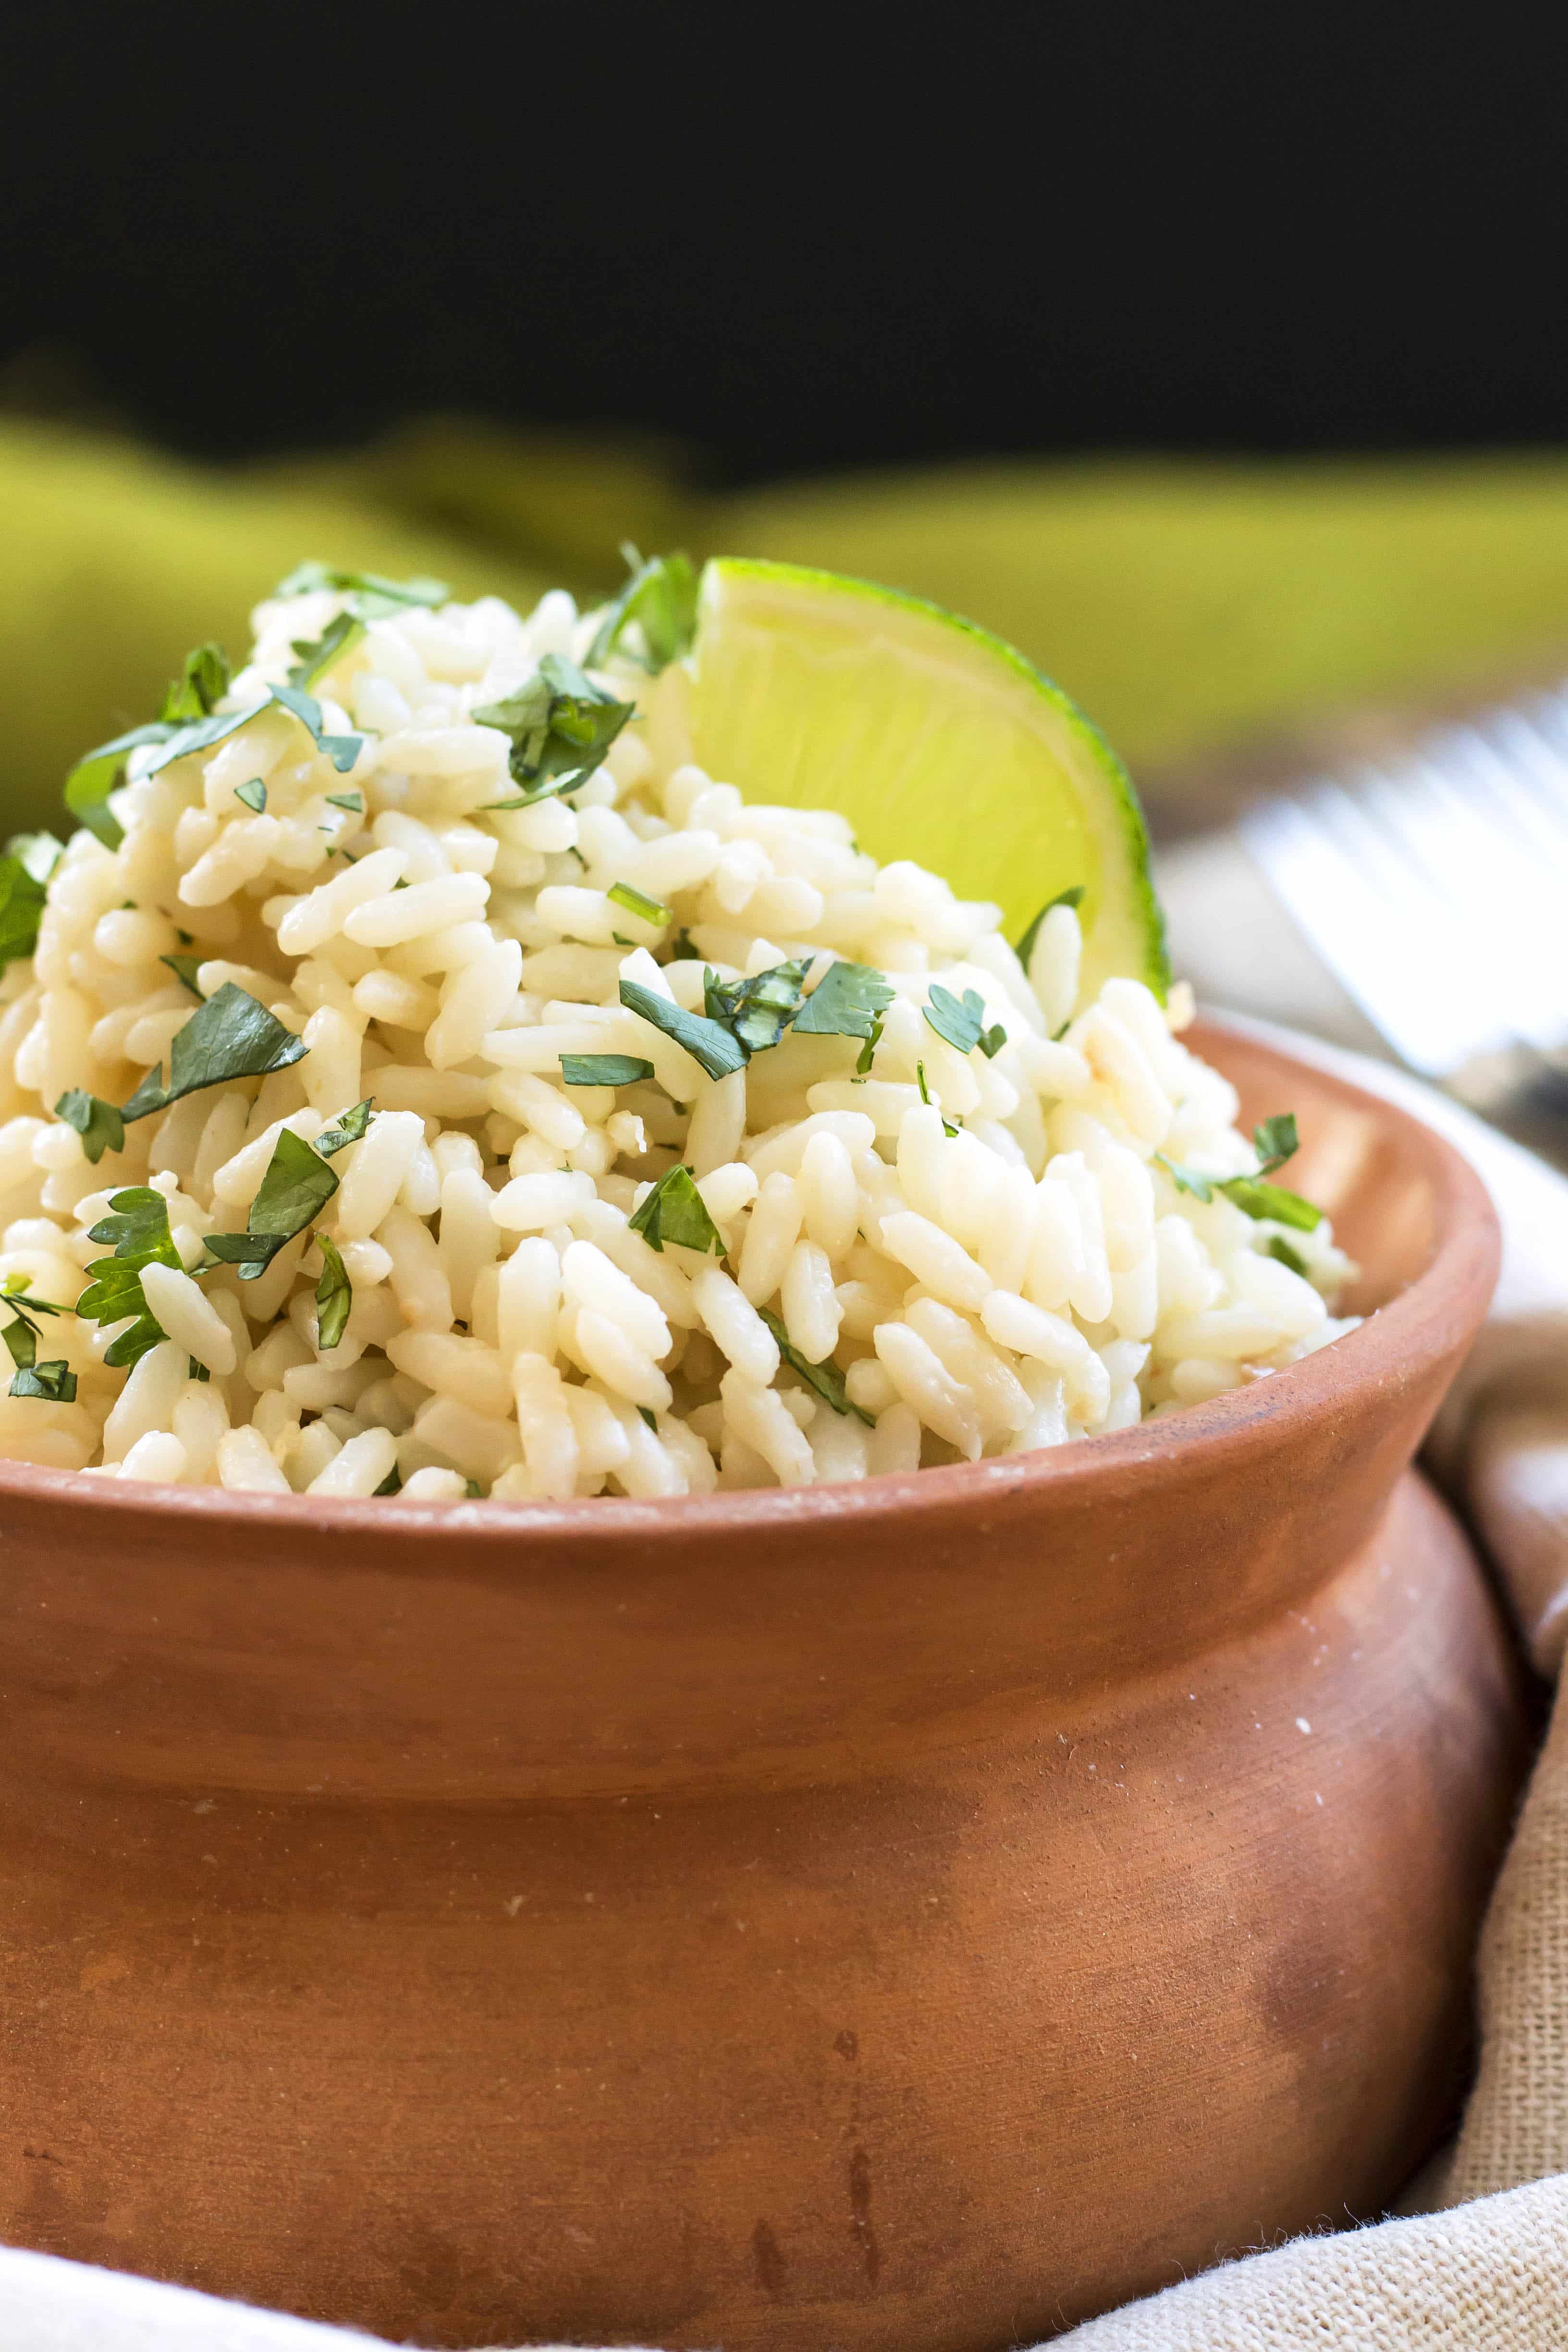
(1488,2268)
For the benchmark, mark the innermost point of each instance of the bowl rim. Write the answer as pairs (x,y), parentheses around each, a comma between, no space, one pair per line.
(1388,1345)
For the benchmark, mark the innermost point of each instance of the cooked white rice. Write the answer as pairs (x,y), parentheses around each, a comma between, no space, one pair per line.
(1033,1277)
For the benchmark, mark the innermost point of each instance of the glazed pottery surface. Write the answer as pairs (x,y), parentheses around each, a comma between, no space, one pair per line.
(910,1915)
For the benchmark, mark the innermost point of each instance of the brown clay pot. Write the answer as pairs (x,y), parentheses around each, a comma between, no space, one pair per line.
(912,1916)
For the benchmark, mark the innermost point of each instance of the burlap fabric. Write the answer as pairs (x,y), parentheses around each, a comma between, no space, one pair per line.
(1486,2270)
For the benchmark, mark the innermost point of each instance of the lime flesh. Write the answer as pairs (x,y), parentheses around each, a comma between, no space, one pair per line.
(937,741)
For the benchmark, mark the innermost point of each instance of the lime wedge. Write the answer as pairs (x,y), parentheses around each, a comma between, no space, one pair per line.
(937,741)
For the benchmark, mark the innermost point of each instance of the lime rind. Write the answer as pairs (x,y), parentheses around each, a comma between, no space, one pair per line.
(940,742)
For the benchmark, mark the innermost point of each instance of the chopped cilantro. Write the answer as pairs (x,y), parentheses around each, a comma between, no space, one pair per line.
(392,1483)
(296,1188)
(138,1233)
(846,1003)
(254,794)
(97,1123)
(200,686)
(28,861)
(54,1383)
(352,802)
(370,596)
(603,1069)
(184,969)
(334,1294)
(560,726)
(648,910)
(947,1126)
(317,655)
(348,1130)
(1275,1141)
(1279,1247)
(706,1041)
(342,751)
(648,1414)
(963,1024)
(756,1012)
(824,1378)
(659,600)
(1025,947)
(676,1211)
(231,1036)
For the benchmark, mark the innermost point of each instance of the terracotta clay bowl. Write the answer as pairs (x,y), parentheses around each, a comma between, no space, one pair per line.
(913,1914)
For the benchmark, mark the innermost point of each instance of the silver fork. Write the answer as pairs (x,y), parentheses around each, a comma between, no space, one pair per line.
(1435,888)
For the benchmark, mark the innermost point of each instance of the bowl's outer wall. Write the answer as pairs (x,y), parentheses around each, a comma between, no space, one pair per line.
(917,1917)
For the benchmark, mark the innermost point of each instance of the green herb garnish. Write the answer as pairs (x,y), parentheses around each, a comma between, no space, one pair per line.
(254,794)
(393,1482)
(54,1381)
(756,1012)
(660,600)
(560,726)
(342,751)
(184,969)
(1274,1141)
(334,1294)
(645,1413)
(352,802)
(603,1069)
(316,656)
(947,1126)
(138,1233)
(706,1041)
(349,1129)
(231,1036)
(1025,947)
(28,861)
(370,596)
(1278,1247)
(676,1211)
(847,1002)
(99,1123)
(648,910)
(295,1190)
(200,686)
(824,1378)
(963,1024)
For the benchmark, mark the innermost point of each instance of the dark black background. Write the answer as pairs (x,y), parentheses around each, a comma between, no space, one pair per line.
(798,242)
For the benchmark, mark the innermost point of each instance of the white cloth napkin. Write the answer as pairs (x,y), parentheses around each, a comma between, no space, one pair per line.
(1487,2268)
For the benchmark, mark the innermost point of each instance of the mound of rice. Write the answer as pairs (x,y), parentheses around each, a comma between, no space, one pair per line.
(902,1281)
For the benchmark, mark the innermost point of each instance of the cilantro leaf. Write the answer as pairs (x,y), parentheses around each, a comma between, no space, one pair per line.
(676,1211)
(1275,1141)
(254,794)
(295,1190)
(963,1024)
(660,600)
(370,596)
(824,1378)
(342,751)
(603,1069)
(706,1041)
(1279,1247)
(200,686)
(646,1413)
(560,726)
(393,1482)
(334,1294)
(947,1126)
(97,773)
(349,1129)
(1249,1193)
(867,1055)
(317,655)
(25,869)
(352,802)
(138,1232)
(231,1036)
(756,1012)
(621,894)
(846,1003)
(1025,947)
(97,1122)
(55,1382)
(184,969)
(22,1340)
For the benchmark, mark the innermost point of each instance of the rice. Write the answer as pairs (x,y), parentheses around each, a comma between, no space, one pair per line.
(655,1275)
